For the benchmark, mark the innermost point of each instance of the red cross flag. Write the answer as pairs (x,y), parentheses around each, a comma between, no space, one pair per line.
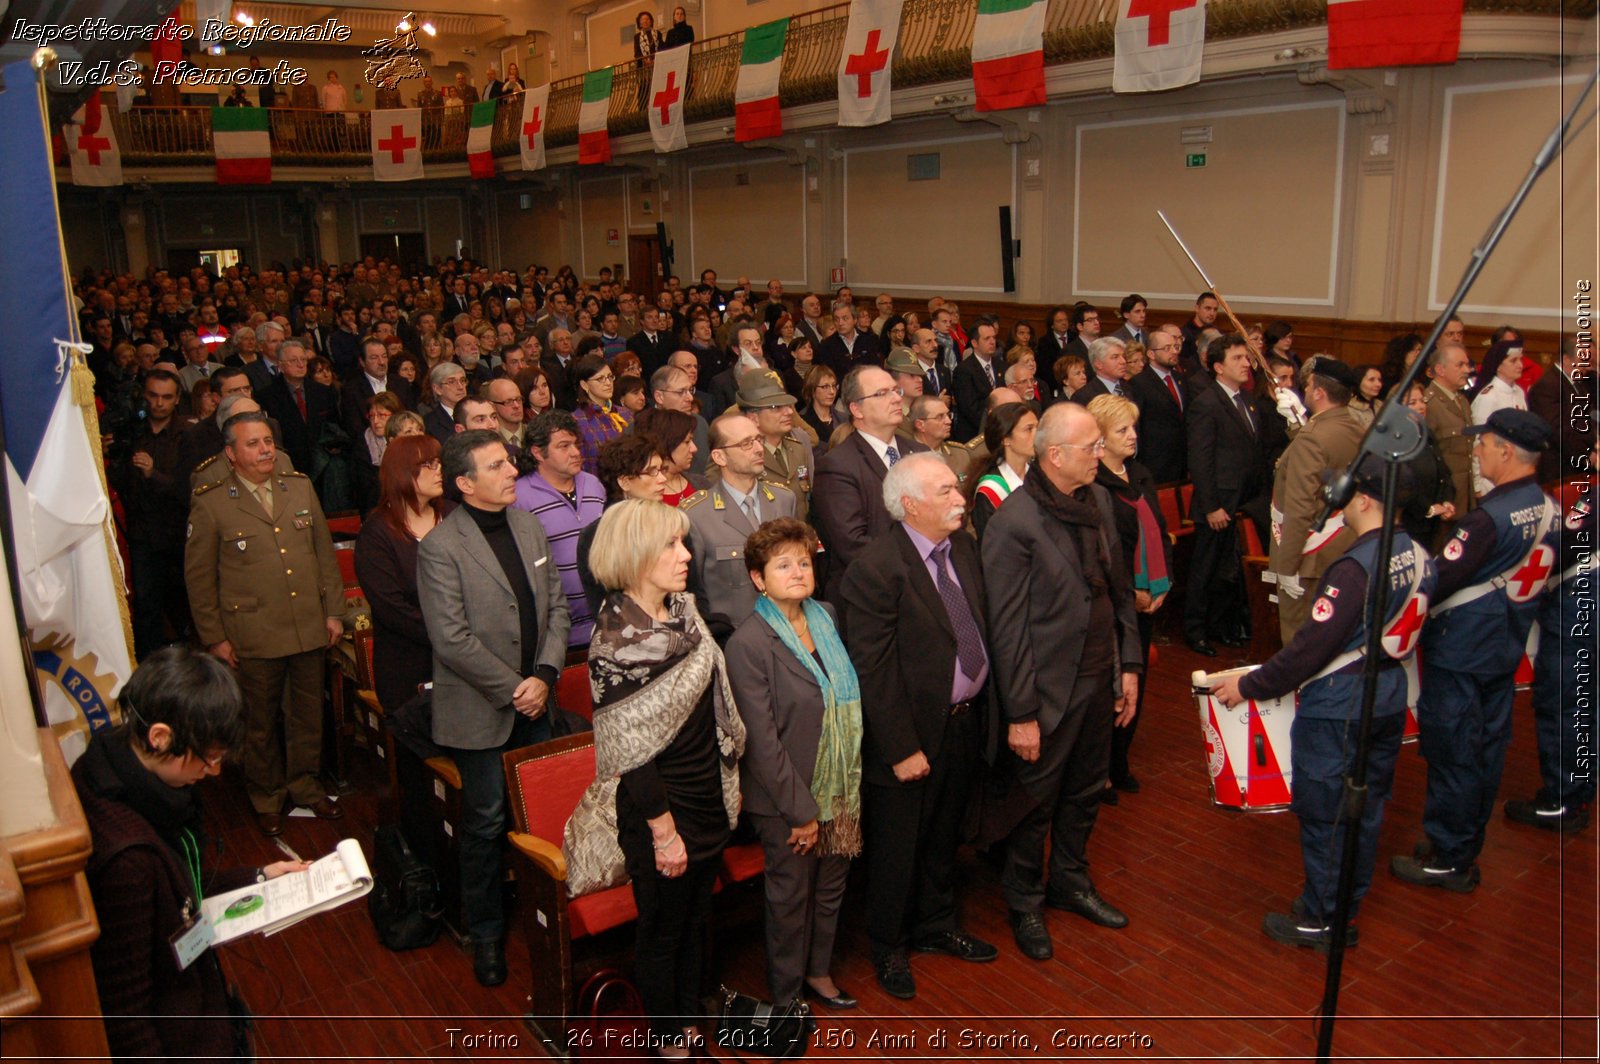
(397,145)
(669,82)
(1159,43)
(864,65)
(530,138)
(92,146)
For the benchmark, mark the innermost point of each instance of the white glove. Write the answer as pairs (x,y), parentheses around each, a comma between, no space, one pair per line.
(1289,584)
(1290,406)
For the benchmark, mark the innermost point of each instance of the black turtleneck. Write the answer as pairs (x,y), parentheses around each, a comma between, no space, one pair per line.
(496,528)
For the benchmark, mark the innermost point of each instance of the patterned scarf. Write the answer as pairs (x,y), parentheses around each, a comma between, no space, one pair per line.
(836,781)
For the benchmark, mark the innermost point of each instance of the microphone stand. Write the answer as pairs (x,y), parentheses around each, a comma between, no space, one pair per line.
(1395,436)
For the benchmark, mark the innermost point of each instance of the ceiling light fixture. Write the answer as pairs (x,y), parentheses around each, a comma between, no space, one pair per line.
(243,19)
(429,28)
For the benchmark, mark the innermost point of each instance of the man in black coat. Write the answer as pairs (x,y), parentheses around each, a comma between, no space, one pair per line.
(974,379)
(1107,358)
(1564,396)
(914,624)
(653,344)
(1226,465)
(1158,390)
(372,378)
(299,404)
(848,347)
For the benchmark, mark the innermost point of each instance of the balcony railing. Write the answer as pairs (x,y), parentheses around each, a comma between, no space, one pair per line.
(934,46)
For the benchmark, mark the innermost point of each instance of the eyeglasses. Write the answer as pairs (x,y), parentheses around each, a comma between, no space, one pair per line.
(505,402)
(749,443)
(1097,447)
(653,470)
(882,393)
(685,392)
(432,466)
(602,378)
(939,417)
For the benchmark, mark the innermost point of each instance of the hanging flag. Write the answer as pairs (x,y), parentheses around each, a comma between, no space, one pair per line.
(397,145)
(70,576)
(869,42)
(244,150)
(535,106)
(479,138)
(92,146)
(756,113)
(594,143)
(1159,43)
(1008,54)
(669,82)
(1380,33)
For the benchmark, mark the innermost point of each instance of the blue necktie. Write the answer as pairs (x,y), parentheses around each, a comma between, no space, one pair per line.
(894,455)
(969,643)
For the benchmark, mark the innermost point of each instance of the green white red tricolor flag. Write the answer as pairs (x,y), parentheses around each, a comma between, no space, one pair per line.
(669,82)
(530,134)
(239,135)
(864,63)
(479,139)
(594,142)
(1008,54)
(756,113)
(1159,44)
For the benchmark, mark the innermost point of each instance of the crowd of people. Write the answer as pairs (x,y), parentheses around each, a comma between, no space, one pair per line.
(833,564)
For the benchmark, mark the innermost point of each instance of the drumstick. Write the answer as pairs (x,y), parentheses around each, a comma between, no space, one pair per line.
(1198,678)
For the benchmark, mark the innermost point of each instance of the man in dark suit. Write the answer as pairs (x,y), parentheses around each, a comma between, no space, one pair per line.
(974,379)
(557,360)
(498,622)
(1067,664)
(848,498)
(299,404)
(848,346)
(1053,344)
(809,324)
(373,378)
(1107,360)
(1564,396)
(1159,392)
(449,383)
(1086,330)
(1133,309)
(915,627)
(1205,317)
(1229,475)
(651,343)
(457,301)
(264,370)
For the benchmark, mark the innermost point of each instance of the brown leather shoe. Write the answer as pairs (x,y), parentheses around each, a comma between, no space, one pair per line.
(327,809)
(271,824)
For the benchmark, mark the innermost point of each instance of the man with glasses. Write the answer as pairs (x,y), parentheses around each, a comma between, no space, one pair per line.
(849,484)
(1068,666)
(931,423)
(722,517)
(502,394)
(1158,390)
(299,405)
(672,388)
(449,383)
(1086,320)
(790,460)
(267,598)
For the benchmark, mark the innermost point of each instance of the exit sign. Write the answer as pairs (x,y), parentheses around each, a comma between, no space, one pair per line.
(1194,159)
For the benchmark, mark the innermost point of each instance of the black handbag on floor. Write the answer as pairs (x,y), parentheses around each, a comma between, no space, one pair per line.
(748,1024)
(404,903)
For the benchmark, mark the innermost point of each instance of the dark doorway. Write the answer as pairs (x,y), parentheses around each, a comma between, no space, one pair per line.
(644,265)
(403,249)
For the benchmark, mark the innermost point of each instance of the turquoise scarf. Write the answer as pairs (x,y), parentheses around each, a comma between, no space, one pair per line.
(836,783)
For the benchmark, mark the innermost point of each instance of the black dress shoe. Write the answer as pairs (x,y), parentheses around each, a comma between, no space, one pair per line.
(1091,906)
(1127,784)
(489,962)
(1551,816)
(1201,647)
(894,975)
(1233,640)
(1033,937)
(961,946)
(1432,873)
(271,824)
(839,1001)
(1109,796)
(1291,930)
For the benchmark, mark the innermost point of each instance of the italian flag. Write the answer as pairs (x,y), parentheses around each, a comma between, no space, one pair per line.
(756,113)
(479,157)
(1008,54)
(594,143)
(244,151)
(1379,33)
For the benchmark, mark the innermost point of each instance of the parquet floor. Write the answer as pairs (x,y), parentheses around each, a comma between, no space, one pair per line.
(1508,972)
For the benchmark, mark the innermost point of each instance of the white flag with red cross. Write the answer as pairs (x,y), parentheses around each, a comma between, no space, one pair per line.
(92,146)
(397,145)
(669,83)
(1159,44)
(530,134)
(869,42)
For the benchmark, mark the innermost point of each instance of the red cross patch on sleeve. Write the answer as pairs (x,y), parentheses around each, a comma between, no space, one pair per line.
(1453,549)
(1321,610)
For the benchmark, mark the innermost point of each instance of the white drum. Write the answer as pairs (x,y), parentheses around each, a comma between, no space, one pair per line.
(1247,747)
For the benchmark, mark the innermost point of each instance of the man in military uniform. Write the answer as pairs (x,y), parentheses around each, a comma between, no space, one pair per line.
(931,422)
(788,459)
(1299,555)
(266,596)
(1566,640)
(1323,661)
(721,518)
(1491,571)
(1448,416)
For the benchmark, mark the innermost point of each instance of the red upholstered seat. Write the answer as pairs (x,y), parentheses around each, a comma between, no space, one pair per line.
(345,553)
(746,861)
(601,911)
(573,693)
(1250,539)
(549,788)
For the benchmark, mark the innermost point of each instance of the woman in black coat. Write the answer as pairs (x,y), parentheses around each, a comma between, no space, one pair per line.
(1146,549)
(680,32)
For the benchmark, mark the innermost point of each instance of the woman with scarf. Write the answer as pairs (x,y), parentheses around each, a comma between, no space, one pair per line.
(801,706)
(599,419)
(183,713)
(1146,550)
(667,742)
(1008,433)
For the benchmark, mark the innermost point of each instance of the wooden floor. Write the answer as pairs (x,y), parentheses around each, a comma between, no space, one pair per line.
(1508,972)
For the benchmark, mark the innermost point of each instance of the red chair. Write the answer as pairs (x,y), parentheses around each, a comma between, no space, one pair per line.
(1172,513)
(344,525)
(546,781)
(345,554)
(573,693)
(1186,500)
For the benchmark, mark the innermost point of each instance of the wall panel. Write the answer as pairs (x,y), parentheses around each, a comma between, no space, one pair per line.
(747,218)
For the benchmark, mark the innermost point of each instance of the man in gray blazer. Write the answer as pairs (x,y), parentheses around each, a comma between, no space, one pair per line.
(1067,663)
(498,621)
(722,517)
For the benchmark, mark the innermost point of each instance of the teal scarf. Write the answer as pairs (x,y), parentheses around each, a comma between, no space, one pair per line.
(836,783)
